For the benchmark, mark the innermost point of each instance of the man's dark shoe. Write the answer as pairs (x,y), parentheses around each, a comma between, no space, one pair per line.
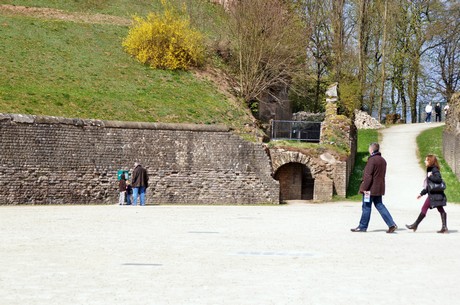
(358,229)
(392,229)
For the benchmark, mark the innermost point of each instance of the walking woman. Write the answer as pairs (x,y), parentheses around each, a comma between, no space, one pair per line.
(434,199)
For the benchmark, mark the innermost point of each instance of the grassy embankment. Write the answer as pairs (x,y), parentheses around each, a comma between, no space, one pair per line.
(124,8)
(64,68)
(365,137)
(430,142)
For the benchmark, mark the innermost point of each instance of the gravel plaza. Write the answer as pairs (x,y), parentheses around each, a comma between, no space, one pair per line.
(295,253)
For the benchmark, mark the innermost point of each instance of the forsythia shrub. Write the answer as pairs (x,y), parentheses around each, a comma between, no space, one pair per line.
(165,41)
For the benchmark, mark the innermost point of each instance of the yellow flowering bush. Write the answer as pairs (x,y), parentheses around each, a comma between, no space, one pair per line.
(165,41)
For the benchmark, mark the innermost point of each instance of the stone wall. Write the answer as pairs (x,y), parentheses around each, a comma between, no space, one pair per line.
(290,181)
(364,121)
(49,160)
(308,116)
(274,104)
(330,174)
(451,151)
(451,135)
(342,132)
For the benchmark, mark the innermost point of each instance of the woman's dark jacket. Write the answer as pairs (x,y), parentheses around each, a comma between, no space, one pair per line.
(437,199)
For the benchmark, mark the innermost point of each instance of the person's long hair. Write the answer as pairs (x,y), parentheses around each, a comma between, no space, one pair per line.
(433,161)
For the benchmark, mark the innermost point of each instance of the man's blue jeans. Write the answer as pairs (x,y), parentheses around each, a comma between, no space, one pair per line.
(139,191)
(428,117)
(367,208)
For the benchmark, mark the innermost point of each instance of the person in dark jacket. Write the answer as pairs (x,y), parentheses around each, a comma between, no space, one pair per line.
(434,199)
(437,111)
(373,188)
(129,192)
(139,183)
(122,190)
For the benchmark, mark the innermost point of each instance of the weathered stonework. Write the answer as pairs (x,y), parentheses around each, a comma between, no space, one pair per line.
(365,121)
(50,160)
(330,175)
(451,135)
(308,116)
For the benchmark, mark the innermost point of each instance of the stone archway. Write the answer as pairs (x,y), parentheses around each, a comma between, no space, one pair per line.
(296,182)
(304,177)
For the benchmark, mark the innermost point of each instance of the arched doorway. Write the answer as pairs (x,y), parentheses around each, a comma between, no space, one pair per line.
(296,182)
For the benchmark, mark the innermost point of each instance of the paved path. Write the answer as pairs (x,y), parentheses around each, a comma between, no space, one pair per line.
(405,176)
(288,254)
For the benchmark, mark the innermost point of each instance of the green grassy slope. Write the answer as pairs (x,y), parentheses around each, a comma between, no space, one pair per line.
(70,69)
(365,136)
(124,8)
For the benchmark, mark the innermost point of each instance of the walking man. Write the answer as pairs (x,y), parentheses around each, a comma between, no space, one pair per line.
(373,188)
(428,110)
(140,183)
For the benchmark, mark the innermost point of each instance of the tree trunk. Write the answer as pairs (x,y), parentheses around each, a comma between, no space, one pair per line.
(384,41)
(413,100)
(362,46)
(318,87)
(337,45)
(403,103)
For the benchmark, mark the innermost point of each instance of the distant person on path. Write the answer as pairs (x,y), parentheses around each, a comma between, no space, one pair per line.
(122,190)
(434,199)
(373,188)
(428,110)
(437,111)
(140,183)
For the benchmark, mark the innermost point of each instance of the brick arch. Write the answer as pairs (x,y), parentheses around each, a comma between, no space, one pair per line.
(281,157)
(295,181)
(322,184)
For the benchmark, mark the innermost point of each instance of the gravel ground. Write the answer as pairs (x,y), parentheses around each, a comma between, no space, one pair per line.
(297,253)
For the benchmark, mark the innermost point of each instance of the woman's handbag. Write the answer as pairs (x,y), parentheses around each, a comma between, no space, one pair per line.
(436,187)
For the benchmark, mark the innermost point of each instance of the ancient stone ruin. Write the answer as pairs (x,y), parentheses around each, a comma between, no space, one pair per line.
(52,160)
(365,121)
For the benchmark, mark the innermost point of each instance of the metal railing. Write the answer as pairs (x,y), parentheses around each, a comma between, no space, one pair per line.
(296,130)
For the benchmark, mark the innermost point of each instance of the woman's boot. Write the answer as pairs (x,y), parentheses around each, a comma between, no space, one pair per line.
(444,223)
(416,223)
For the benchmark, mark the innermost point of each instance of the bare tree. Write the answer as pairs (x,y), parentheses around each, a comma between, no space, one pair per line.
(316,16)
(447,52)
(363,43)
(338,37)
(268,45)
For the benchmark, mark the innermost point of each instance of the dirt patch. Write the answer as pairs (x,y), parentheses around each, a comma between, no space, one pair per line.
(226,85)
(55,14)
(218,77)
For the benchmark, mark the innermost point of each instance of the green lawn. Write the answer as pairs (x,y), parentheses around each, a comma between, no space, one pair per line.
(80,70)
(430,142)
(123,8)
(206,16)
(365,137)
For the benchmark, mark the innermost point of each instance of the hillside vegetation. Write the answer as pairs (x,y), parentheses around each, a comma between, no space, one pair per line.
(61,67)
